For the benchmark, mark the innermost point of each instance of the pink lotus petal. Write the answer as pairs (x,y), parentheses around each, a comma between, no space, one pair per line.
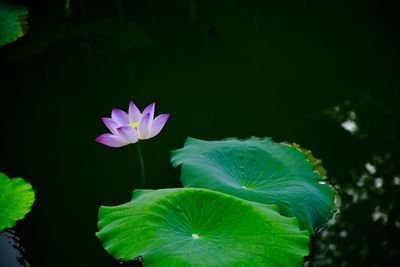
(149,110)
(158,124)
(144,126)
(111,140)
(134,112)
(128,133)
(111,125)
(129,127)
(120,116)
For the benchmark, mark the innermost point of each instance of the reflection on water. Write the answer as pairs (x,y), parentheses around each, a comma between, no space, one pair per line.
(346,117)
(367,231)
(11,252)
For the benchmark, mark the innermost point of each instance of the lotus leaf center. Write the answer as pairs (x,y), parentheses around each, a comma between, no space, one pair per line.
(195,236)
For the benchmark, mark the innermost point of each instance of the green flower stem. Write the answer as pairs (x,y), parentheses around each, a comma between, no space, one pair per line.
(141,163)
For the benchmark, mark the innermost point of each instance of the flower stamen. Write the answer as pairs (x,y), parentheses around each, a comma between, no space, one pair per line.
(134,124)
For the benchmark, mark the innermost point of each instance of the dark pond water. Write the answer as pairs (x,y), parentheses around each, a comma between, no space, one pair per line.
(325,76)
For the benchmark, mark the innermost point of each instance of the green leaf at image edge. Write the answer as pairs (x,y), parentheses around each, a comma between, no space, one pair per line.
(259,170)
(198,227)
(13,24)
(16,199)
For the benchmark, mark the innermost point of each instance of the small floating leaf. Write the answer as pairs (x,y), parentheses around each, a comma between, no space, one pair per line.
(52,32)
(261,171)
(13,24)
(198,227)
(16,199)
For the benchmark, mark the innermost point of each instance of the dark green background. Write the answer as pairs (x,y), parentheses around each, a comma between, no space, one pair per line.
(292,70)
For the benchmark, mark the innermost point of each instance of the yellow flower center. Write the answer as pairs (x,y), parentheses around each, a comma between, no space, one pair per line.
(134,124)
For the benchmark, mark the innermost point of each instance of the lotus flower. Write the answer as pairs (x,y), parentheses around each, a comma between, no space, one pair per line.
(129,128)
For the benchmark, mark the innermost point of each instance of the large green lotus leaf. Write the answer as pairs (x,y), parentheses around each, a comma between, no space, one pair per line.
(16,199)
(262,171)
(13,23)
(198,227)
